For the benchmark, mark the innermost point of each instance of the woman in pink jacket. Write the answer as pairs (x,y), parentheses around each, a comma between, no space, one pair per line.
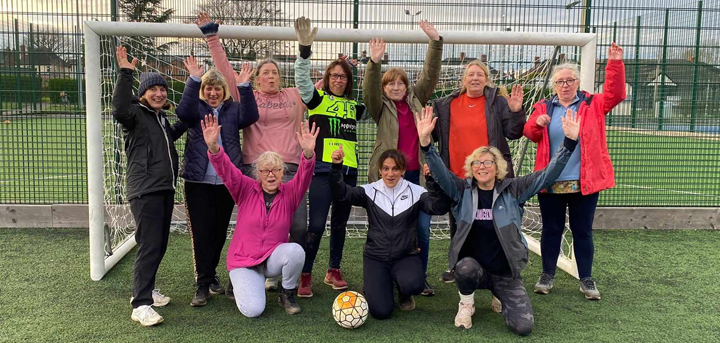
(281,111)
(259,246)
(588,171)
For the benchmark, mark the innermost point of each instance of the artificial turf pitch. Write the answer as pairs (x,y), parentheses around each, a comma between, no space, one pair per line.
(657,286)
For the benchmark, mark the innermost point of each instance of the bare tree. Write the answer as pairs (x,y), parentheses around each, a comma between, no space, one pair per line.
(146,11)
(48,39)
(247,13)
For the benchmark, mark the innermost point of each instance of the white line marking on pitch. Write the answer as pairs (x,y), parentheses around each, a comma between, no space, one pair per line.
(40,179)
(669,190)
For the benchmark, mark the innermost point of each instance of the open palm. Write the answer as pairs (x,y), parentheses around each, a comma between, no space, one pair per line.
(211,132)
(377,49)
(307,138)
(425,124)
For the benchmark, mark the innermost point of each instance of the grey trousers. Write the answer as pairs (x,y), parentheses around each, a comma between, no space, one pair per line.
(249,283)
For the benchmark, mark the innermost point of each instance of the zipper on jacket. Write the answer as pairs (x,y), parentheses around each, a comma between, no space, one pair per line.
(157,117)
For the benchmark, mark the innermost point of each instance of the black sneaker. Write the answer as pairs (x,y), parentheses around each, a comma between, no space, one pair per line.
(588,287)
(544,284)
(286,299)
(229,290)
(201,296)
(406,302)
(216,288)
(448,276)
(428,290)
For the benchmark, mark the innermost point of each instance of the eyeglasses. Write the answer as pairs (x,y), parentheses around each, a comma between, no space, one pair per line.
(265,172)
(339,77)
(487,164)
(568,82)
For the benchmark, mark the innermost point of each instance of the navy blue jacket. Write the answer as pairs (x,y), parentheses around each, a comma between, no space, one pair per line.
(233,117)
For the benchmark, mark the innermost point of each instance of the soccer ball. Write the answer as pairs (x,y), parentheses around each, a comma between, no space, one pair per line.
(350,309)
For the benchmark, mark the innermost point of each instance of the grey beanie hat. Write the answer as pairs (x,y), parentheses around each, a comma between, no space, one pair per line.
(148,80)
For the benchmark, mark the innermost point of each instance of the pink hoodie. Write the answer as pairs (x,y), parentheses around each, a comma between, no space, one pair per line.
(280,115)
(257,232)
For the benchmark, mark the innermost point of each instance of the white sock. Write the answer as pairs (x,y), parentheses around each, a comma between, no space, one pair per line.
(467,299)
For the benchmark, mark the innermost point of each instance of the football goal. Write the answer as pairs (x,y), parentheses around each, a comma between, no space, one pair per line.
(524,58)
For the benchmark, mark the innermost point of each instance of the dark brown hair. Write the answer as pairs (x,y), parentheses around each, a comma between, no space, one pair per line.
(346,68)
(394,155)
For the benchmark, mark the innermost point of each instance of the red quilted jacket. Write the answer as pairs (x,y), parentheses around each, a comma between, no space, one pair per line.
(596,170)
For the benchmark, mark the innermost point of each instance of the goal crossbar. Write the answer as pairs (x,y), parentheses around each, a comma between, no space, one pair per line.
(99,264)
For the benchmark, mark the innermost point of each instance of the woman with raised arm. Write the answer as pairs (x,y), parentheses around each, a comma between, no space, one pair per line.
(208,204)
(259,246)
(488,250)
(335,113)
(588,172)
(280,113)
(393,205)
(474,116)
(151,175)
(391,101)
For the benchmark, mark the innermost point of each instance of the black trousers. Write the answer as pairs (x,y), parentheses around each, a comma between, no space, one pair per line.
(516,308)
(380,276)
(152,213)
(320,200)
(208,208)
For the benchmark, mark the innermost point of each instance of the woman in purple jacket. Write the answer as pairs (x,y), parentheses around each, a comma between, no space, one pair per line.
(259,246)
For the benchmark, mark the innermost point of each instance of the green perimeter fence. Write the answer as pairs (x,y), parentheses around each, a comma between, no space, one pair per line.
(664,139)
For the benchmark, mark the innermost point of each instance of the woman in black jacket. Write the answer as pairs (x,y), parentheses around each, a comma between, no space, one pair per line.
(150,185)
(393,206)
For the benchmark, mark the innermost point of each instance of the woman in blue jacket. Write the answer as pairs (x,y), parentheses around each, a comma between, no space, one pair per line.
(488,250)
(208,202)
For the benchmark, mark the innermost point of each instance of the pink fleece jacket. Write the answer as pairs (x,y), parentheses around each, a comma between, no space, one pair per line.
(257,232)
(280,115)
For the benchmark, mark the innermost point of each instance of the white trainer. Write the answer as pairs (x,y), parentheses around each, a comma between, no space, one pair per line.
(159,299)
(271,283)
(146,316)
(463,319)
(496,305)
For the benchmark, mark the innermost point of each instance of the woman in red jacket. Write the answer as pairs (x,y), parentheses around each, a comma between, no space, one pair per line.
(588,172)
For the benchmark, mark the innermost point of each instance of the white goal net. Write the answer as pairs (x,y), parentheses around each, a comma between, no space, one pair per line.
(513,58)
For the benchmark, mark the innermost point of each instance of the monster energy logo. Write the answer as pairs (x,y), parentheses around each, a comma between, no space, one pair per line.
(334,126)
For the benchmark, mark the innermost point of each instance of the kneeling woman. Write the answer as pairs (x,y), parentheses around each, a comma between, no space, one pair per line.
(488,249)
(393,206)
(259,246)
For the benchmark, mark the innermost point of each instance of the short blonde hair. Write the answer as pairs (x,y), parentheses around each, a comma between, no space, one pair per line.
(214,78)
(484,68)
(560,67)
(270,159)
(502,165)
(394,74)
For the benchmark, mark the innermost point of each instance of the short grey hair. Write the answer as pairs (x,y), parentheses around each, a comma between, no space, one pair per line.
(571,66)
(270,159)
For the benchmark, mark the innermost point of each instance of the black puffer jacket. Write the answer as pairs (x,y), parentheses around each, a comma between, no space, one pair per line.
(233,117)
(392,212)
(152,159)
(501,124)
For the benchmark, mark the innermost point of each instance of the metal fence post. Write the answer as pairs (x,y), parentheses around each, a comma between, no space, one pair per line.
(31,50)
(696,61)
(633,110)
(663,73)
(18,71)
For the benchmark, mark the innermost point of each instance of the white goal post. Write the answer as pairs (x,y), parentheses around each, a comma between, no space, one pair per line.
(99,263)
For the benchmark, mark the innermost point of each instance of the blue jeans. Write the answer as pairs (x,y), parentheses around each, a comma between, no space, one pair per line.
(423,224)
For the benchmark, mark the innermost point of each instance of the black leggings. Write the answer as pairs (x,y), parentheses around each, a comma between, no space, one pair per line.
(208,208)
(516,308)
(320,201)
(380,276)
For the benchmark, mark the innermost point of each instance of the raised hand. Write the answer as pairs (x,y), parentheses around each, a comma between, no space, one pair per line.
(245,73)
(338,155)
(425,124)
(571,124)
(203,22)
(429,30)
(426,170)
(516,98)
(543,120)
(211,132)
(615,52)
(121,55)
(305,34)
(377,49)
(307,137)
(191,65)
